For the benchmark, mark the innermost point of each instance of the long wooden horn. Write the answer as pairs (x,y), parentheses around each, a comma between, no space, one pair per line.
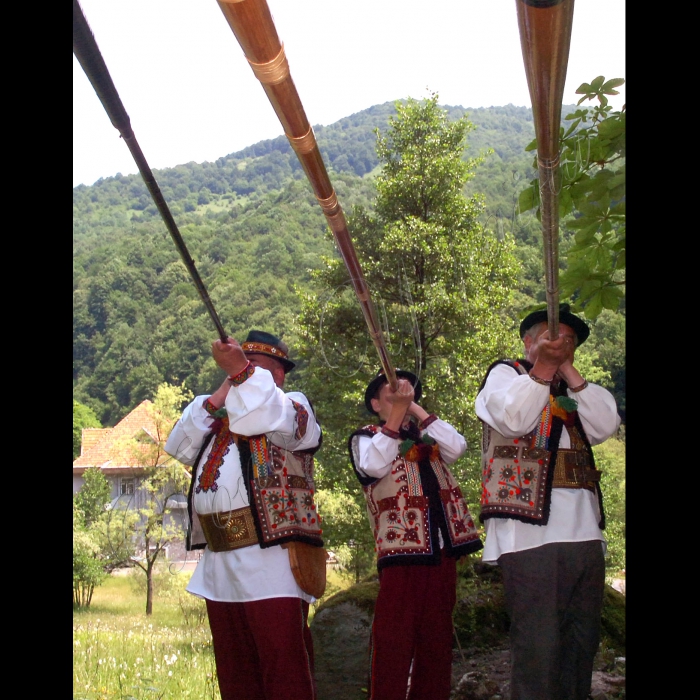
(254,28)
(88,54)
(545,37)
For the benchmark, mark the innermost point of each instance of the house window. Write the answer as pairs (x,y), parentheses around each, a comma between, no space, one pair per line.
(127,486)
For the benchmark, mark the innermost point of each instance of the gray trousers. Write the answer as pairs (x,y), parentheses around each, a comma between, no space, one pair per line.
(554,596)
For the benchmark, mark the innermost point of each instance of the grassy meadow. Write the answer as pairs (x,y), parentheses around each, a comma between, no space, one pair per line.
(121,653)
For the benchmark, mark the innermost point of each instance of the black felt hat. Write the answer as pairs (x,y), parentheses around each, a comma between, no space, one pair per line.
(262,343)
(375,385)
(565,316)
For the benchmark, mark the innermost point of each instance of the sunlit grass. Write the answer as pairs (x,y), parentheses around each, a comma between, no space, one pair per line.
(120,652)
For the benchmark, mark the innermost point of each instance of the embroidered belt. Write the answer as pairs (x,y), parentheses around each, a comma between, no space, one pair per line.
(229,530)
(573,471)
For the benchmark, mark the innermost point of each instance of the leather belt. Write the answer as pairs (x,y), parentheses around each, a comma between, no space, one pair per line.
(573,471)
(229,530)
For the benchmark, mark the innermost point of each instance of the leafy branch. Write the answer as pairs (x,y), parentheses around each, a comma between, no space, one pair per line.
(591,199)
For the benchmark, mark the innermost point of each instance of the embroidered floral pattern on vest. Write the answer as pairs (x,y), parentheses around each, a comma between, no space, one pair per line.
(515,477)
(398,509)
(283,491)
(405,526)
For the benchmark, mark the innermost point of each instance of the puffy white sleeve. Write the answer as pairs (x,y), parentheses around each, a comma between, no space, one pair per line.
(376,454)
(597,410)
(511,403)
(188,434)
(259,406)
(452,444)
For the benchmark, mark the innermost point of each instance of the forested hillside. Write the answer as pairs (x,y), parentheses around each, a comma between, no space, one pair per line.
(256,232)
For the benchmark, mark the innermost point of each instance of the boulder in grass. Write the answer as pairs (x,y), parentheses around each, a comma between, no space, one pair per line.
(341,630)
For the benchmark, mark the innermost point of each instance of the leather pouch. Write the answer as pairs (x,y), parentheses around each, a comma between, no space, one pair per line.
(308,566)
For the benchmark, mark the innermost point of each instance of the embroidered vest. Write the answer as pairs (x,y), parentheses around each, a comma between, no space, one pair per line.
(517,474)
(279,484)
(407,507)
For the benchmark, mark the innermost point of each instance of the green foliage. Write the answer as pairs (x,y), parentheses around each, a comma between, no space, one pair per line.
(610,459)
(93,497)
(480,617)
(88,571)
(83,417)
(168,584)
(613,619)
(88,556)
(592,196)
(587,363)
(437,278)
(138,320)
(609,343)
(346,531)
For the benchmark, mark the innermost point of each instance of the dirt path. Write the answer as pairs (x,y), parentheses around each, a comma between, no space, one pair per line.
(486,676)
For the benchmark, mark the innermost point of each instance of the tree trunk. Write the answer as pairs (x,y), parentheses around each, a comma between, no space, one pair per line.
(149,590)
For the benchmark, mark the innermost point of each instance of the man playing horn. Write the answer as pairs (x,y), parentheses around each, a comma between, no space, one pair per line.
(251,502)
(542,506)
(421,525)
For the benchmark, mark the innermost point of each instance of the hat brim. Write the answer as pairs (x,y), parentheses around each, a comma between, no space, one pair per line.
(566,317)
(374,386)
(288,365)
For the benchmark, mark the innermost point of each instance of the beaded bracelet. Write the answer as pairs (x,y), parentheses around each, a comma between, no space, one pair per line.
(390,433)
(209,407)
(580,387)
(246,372)
(534,378)
(428,421)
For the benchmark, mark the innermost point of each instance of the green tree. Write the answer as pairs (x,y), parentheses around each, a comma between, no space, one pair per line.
(88,569)
(592,196)
(346,531)
(610,459)
(83,417)
(440,281)
(609,342)
(142,527)
(88,556)
(94,495)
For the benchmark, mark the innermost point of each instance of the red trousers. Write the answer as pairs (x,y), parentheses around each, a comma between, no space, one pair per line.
(263,649)
(412,632)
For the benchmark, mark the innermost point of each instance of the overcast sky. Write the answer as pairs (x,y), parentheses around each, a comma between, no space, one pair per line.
(191,96)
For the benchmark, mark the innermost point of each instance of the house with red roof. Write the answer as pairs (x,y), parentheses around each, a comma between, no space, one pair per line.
(126,455)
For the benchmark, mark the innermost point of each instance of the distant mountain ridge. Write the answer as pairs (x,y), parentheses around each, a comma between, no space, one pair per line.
(347,146)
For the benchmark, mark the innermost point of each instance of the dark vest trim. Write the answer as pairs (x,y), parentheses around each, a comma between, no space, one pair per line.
(190,505)
(364,480)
